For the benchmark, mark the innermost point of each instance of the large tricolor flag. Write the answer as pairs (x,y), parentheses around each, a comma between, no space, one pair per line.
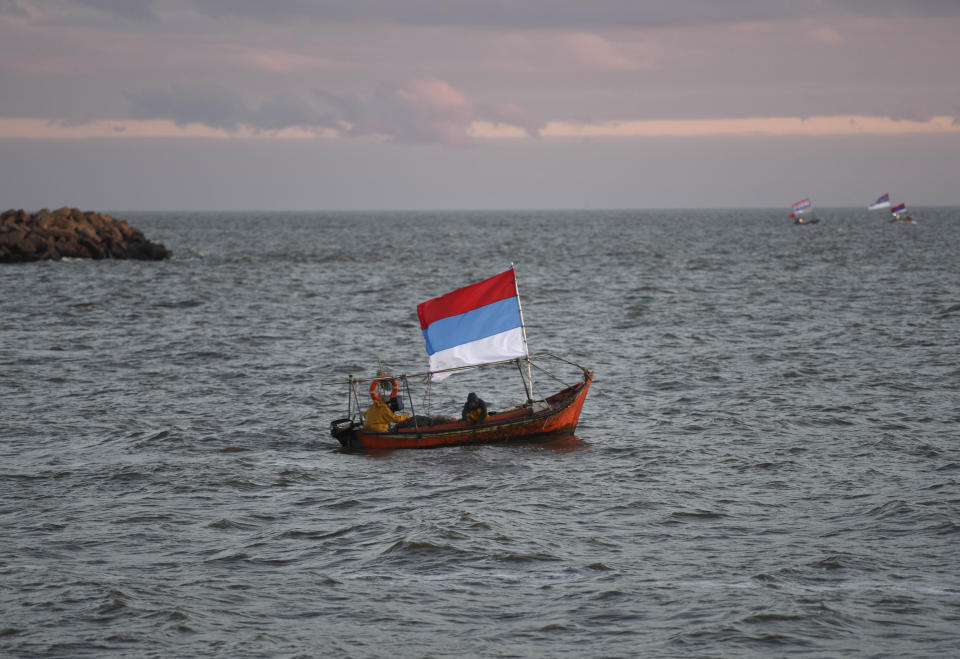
(898,209)
(476,324)
(882,202)
(802,206)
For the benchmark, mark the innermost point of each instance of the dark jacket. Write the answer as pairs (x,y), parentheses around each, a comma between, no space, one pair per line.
(475,410)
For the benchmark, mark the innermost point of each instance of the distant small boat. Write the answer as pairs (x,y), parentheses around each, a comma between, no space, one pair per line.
(899,213)
(801,207)
(883,201)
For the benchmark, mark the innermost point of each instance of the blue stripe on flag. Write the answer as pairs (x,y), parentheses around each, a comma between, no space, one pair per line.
(476,324)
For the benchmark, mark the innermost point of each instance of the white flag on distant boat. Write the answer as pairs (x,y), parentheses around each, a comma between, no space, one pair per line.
(882,202)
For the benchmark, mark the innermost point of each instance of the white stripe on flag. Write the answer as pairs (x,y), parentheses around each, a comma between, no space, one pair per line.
(505,345)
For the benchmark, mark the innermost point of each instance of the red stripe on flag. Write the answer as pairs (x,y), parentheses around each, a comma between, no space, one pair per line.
(499,287)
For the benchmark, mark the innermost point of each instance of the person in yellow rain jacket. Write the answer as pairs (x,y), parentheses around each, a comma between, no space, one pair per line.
(379,416)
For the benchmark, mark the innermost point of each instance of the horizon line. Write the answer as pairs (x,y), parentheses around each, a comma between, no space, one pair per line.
(786,209)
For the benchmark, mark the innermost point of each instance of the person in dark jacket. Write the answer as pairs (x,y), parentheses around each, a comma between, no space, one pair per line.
(475,410)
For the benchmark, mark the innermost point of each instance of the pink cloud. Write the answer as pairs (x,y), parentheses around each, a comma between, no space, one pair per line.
(435,98)
(512,115)
(39,65)
(433,111)
(826,35)
(591,51)
(426,110)
(279,61)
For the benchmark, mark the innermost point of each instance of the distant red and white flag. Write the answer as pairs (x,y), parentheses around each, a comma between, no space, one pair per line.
(898,209)
(882,202)
(802,206)
(476,324)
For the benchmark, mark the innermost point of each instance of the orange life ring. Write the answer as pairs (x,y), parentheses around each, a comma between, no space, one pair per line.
(373,386)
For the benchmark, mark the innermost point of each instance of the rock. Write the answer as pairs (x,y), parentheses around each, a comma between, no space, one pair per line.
(70,232)
(11,238)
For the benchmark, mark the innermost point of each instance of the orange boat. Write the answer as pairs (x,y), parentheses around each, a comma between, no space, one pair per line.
(555,415)
(469,328)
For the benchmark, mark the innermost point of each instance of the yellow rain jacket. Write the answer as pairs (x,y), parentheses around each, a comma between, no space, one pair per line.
(379,415)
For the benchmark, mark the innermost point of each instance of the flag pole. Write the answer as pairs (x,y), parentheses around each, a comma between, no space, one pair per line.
(523,326)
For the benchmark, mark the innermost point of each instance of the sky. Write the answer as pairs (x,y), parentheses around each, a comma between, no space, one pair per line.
(477,104)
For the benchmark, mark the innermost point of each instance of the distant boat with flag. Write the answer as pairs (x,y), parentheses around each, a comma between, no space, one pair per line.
(883,201)
(800,209)
(478,326)
(899,213)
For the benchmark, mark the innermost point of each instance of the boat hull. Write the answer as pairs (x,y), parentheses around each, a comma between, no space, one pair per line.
(558,414)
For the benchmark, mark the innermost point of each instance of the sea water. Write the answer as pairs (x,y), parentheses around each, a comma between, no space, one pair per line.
(768,462)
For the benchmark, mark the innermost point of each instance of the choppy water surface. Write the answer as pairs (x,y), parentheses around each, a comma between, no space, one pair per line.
(767,464)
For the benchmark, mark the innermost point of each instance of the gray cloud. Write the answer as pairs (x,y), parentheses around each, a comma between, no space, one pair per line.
(131,9)
(287,111)
(569,13)
(407,114)
(529,14)
(426,110)
(212,106)
(12,8)
(76,61)
(221,108)
(902,8)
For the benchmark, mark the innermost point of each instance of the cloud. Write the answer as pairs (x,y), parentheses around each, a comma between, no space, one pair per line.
(510,115)
(274,125)
(826,35)
(899,8)
(593,52)
(13,8)
(531,14)
(222,109)
(212,106)
(576,14)
(272,60)
(288,111)
(70,60)
(757,126)
(426,110)
(132,9)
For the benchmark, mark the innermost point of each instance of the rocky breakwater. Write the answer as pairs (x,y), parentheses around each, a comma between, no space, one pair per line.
(72,233)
